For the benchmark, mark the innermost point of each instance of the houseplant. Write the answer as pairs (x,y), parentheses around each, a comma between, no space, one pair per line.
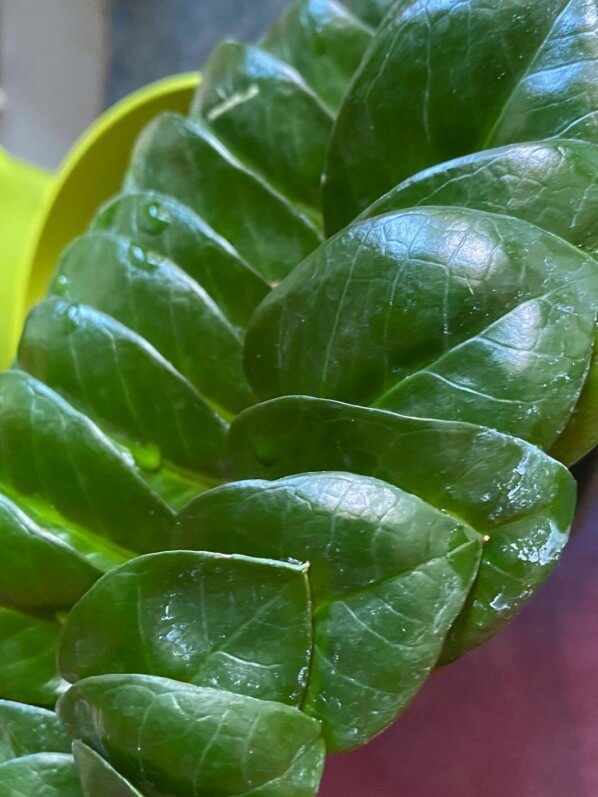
(413,370)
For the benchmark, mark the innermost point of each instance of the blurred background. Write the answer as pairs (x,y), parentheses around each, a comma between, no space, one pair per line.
(63,61)
(517,718)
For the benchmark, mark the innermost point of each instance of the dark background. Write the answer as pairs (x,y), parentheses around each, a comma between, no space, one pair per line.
(517,718)
(154,38)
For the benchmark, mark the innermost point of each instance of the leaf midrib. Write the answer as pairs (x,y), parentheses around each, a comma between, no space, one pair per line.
(501,110)
(472,334)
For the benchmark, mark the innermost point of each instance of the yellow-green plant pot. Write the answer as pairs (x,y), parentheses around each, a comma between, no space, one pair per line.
(40,213)
(22,192)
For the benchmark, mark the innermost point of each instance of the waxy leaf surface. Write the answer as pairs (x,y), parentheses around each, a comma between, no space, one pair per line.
(268,116)
(445,79)
(178,156)
(373,11)
(53,454)
(40,775)
(324,42)
(131,277)
(389,575)
(157,222)
(436,312)
(28,655)
(227,622)
(551,184)
(77,351)
(39,571)
(98,778)
(134,363)
(512,493)
(25,730)
(180,739)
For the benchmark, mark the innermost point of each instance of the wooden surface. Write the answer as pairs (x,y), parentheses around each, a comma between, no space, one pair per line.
(516,718)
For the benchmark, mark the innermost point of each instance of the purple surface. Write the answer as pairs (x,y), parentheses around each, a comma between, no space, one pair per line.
(516,718)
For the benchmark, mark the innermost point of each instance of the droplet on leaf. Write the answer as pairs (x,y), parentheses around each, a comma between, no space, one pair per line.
(148,457)
(153,218)
(62,284)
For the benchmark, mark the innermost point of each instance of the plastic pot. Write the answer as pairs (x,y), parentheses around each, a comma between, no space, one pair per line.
(41,212)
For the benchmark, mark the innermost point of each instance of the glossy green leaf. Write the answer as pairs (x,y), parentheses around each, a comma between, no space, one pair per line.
(581,435)
(131,277)
(551,184)
(323,41)
(28,654)
(98,778)
(509,491)
(133,367)
(389,574)
(373,11)
(263,110)
(77,351)
(445,79)
(435,312)
(25,730)
(227,622)
(52,453)
(457,313)
(160,224)
(180,157)
(182,739)
(38,571)
(41,775)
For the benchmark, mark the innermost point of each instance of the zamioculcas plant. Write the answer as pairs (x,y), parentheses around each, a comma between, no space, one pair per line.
(420,372)
(127,375)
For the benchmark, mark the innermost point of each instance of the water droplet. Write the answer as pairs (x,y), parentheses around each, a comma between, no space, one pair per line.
(142,259)
(153,218)
(266,451)
(61,285)
(72,317)
(148,457)
(137,255)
